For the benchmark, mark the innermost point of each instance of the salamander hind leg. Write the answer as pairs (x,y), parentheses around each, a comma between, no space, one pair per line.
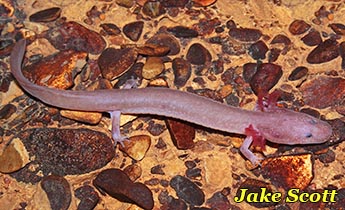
(115,128)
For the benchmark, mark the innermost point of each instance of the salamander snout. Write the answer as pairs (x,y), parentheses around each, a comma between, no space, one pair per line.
(316,131)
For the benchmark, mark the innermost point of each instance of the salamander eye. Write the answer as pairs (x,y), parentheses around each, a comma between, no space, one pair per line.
(309,135)
(312,121)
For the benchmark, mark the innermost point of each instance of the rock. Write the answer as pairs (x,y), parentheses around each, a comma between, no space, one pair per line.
(115,62)
(13,157)
(133,30)
(46,15)
(72,35)
(187,190)
(58,191)
(137,146)
(118,185)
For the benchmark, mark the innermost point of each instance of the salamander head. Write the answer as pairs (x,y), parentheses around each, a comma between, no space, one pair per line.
(296,128)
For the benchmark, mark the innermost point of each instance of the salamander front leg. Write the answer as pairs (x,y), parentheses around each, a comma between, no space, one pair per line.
(115,128)
(253,137)
(249,154)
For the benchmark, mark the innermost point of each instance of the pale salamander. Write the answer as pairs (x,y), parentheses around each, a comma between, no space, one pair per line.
(275,124)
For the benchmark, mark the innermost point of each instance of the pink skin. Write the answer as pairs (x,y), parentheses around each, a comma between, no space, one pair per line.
(274,124)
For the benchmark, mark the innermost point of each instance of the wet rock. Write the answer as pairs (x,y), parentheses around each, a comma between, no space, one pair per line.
(13,157)
(255,186)
(7,111)
(174,3)
(338,28)
(72,35)
(219,200)
(133,171)
(152,67)
(313,38)
(281,39)
(110,29)
(258,50)
(181,134)
(166,40)
(245,34)
(173,203)
(298,73)
(152,50)
(198,54)
(182,31)
(206,26)
(46,15)
(342,54)
(125,3)
(292,171)
(76,151)
(118,185)
(273,55)
(80,116)
(324,52)
(133,30)
(58,191)
(204,3)
(115,62)
(323,92)
(298,27)
(266,77)
(56,70)
(158,169)
(153,9)
(182,71)
(187,190)
(88,197)
(137,146)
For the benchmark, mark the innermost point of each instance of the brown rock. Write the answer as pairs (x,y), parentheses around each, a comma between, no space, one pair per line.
(298,73)
(167,40)
(76,151)
(204,3)
(181,133)
(298,27)
(153,9)
(258,50)
(293,171)
(152,67)
(118,185)
(58,191)
(133,30)
(182,71)
(46,15)
(86,117)
(13,157)
(313,38)
(198,54)
(342,54)
(245,34)
(72,35)
(133,171)
(324,52)
(266,77)
(115,62)
(338,28)
(110,29)
(152,50)
(56,70)
(88,197)
(323,92)
(182,31)
(137,146)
